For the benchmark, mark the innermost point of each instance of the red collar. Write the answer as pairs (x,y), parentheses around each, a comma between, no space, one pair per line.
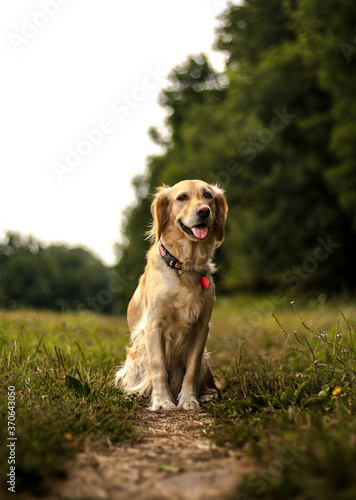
(178,265)
(168,258)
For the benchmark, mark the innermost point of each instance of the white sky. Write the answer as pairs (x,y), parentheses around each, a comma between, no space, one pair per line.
(81,66)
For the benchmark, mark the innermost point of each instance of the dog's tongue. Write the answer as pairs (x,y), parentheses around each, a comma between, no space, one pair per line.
(200,232)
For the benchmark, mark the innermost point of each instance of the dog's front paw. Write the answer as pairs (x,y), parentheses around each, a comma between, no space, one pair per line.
(162,404)
(188,403)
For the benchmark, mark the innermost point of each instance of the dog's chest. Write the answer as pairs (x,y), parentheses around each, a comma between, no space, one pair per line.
(186,308)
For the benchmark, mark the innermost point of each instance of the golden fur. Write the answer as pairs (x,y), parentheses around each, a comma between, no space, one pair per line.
(169,313)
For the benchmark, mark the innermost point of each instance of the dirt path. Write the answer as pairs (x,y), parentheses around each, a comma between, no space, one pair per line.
(172,460)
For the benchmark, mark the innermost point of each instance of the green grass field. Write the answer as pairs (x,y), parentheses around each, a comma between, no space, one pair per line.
(290,397)
(61,367)
(289,393)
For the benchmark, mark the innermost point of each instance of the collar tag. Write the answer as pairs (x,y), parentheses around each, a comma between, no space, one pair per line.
(204,282)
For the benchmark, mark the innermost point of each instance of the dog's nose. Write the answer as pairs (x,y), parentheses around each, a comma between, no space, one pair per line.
(203,211)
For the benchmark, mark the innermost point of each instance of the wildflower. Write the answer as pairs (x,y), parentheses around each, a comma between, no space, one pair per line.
(315,361)
(339,335)
(68,436)
(281,367)
(322,335)
(337,391)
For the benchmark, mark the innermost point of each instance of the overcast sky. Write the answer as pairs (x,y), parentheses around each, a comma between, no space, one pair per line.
(79,87)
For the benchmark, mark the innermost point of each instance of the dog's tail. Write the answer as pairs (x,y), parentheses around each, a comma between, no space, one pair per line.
(133,376)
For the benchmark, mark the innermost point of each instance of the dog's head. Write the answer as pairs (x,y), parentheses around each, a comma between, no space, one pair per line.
(193,209)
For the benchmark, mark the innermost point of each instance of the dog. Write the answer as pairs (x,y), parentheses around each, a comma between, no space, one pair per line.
(169,313)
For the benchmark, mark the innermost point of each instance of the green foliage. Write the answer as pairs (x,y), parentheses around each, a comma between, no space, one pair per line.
(329,42)
(52,277)
(276,131)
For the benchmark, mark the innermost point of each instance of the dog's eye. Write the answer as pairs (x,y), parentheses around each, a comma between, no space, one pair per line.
(208,196)
(182,197)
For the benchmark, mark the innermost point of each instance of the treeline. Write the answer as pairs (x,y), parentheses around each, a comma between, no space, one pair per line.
(53,277)
(277,130)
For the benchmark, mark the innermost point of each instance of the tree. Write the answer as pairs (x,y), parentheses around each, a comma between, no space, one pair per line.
(329,43)
(53,277)
(278,138)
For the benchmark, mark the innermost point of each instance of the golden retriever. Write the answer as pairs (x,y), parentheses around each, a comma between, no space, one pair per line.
(169,313)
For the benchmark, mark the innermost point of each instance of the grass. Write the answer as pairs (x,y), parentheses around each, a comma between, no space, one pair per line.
(289,397)
(61,367)
(290,401)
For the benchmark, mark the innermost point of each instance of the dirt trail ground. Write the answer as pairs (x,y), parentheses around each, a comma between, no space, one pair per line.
(172,460)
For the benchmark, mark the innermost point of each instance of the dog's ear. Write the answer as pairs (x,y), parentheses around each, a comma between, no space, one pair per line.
(160,213)
(220,214)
